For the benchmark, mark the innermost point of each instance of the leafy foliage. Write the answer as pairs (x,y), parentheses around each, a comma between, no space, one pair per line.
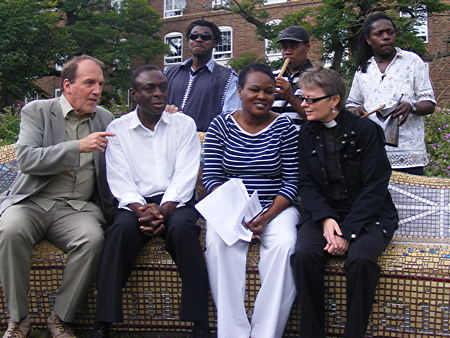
(116,34)
(245,58)
(437,134)
(337,24)
(34,35)
(9,127)
(30,42)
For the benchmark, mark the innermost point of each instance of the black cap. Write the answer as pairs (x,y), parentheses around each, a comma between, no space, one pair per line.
(294,33)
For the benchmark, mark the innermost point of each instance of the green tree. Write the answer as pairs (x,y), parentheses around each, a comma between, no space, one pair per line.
(337,23)
(116,33)
(31,41)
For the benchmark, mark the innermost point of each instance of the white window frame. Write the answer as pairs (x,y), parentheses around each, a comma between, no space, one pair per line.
(271,56)
(218,4)
(422,27)
(222,57)
(173,10)
(420,24)
(173,60)
(58,92)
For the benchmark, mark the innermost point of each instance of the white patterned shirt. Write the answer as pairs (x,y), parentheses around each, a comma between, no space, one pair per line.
(406,75)
(142,163)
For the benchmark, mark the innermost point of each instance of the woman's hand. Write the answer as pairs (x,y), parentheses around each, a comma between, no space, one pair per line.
(258,225)
(336,245)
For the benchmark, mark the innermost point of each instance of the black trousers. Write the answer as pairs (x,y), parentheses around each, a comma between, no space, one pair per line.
(122,245)
(361,270)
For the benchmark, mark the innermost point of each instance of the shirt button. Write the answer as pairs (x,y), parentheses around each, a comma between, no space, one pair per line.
(377,223)
(353,236)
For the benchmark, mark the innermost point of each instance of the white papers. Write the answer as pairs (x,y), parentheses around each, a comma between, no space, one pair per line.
(227,207)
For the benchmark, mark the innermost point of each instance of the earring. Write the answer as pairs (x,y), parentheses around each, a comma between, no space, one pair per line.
(333,110)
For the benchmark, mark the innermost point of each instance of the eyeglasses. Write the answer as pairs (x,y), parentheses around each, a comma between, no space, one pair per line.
(310,100)
(203,36)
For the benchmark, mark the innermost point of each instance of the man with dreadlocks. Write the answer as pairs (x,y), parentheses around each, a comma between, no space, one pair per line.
(396,78)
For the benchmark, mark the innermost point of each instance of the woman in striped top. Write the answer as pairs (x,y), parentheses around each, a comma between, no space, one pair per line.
(259,147)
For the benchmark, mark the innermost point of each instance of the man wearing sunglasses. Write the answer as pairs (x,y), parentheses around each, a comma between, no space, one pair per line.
(295,45)
(200,87)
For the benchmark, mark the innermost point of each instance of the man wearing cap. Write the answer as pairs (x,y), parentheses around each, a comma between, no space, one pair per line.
(200,87)
(295,45)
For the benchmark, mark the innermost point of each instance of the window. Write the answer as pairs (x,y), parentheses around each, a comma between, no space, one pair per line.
(223,51)
(175,42)
(57,92)
(273,50)
(421,26)
(219,4)
(173,7)
(420,22)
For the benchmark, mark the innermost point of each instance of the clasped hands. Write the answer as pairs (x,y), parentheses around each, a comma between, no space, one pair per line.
(150,218)
(336,245)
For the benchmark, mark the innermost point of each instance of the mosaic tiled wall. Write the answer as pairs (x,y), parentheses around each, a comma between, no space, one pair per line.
(413,297)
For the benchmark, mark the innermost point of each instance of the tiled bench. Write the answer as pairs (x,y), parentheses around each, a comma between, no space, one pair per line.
(413,297)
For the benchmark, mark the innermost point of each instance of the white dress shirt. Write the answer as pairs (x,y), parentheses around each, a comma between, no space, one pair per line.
(406,75)
(142,163)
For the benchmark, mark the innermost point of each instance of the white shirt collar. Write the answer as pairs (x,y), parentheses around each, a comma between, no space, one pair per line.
(135,121)
(210,64)
(330,124)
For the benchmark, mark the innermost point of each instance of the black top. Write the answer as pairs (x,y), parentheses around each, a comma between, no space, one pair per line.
(365,174)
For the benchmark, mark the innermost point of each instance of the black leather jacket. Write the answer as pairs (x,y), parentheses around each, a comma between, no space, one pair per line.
(366,173)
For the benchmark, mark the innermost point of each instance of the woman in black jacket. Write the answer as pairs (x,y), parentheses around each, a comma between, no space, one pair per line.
(344,176)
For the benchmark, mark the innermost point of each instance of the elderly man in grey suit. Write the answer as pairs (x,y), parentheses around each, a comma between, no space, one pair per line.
(60,194)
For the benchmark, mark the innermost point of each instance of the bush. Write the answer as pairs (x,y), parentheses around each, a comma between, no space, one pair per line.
(437,135)
(9,127)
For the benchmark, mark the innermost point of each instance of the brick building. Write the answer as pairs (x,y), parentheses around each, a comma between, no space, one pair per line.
(239,36)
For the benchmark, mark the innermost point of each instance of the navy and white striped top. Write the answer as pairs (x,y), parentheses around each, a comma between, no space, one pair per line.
(266,161)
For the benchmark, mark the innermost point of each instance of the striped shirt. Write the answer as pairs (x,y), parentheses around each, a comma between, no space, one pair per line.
(280,105)
(266,161)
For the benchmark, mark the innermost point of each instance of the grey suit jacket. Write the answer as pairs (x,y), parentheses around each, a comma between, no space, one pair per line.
(42,152)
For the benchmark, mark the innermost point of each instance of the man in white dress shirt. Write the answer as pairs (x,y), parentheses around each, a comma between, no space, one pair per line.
(152,167)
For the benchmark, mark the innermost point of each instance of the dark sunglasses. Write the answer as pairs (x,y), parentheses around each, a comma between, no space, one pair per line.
(203,36)
(310,100)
